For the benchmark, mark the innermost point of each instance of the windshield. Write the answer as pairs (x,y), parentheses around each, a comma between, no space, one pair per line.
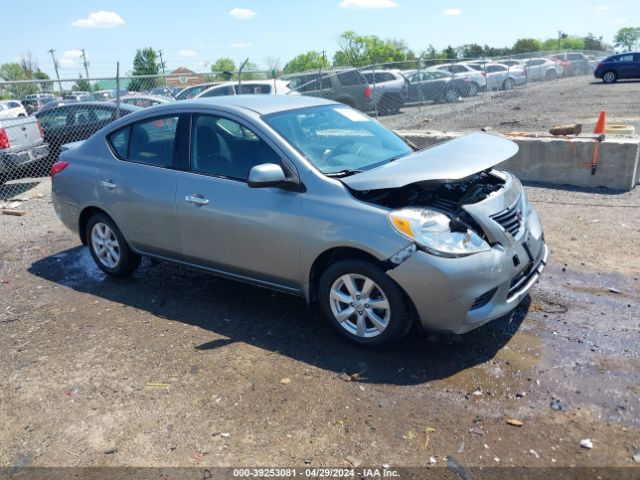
(337,138)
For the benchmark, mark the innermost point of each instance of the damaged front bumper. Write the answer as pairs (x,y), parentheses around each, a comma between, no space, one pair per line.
(463,293)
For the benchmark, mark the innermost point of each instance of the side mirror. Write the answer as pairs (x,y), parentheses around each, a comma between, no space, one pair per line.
(266,175)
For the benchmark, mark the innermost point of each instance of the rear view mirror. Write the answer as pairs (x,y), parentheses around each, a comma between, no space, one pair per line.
(266,175)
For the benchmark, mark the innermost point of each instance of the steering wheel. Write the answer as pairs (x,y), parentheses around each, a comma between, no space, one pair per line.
(344,147)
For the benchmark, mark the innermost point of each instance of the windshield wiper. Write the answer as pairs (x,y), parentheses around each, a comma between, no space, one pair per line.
(343,173)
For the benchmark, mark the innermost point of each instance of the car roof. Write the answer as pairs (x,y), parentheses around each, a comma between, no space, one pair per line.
(261,104)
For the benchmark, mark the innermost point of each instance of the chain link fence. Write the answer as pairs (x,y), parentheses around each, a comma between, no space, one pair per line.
(38,117)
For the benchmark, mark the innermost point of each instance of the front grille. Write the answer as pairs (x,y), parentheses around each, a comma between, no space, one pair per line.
(483,299)
(510,219)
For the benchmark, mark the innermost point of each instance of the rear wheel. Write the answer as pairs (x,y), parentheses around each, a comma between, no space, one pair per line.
(609,77)
(508,84)
(450,96)
(473,89)
(551,75)
(108,247)
(364,304)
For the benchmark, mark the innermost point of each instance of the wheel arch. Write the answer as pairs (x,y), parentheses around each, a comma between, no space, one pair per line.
(330,256)
(85,215)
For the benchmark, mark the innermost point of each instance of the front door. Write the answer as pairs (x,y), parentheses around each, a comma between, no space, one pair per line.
(226,225)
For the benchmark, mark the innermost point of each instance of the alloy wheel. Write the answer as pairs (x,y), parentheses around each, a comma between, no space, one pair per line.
(105,245)
(359,305)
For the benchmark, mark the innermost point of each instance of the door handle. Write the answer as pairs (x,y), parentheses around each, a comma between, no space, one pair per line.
(196,200)
(108,184)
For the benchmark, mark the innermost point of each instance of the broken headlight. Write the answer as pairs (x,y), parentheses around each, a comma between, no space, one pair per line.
(437,233)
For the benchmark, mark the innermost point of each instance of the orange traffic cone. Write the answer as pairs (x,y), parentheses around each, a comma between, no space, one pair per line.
(600,124)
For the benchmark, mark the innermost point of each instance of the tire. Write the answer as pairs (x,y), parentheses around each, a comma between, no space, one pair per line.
(115,258)
(390,103)
(450,96)
(473,89)
(551,75)
(609,77)
(374,327)
(508,84)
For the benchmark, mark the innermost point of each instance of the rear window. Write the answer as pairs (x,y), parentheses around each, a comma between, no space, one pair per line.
(350,78)
(574,56)
(253,89)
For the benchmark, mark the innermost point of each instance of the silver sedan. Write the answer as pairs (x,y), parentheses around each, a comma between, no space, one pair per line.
(313,198)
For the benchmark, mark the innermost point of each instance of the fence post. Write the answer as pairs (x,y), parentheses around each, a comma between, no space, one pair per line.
(118,90)
(240,76)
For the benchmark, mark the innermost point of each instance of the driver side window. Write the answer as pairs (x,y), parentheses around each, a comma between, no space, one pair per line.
(225,148)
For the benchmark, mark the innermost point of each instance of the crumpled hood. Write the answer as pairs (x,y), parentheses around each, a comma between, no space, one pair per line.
(451,160)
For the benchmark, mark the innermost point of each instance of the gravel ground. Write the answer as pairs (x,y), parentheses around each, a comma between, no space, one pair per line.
(174,367)
(535,108)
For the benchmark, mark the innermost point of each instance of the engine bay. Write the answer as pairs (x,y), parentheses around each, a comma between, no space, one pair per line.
(441,195)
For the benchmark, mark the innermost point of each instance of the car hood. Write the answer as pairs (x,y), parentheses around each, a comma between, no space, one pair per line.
(447,161)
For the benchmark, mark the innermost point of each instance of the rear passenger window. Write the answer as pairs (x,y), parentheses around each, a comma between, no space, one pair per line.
(350,78)
(120,142)
(151,142)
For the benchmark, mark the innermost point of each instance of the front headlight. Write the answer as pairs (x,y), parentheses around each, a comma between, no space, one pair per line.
(432,231)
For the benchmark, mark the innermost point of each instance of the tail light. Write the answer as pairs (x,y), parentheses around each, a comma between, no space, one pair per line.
(599,65)
(524,72)
(367,91)
(58,167)
(4,139)
(484,74)
(41,130)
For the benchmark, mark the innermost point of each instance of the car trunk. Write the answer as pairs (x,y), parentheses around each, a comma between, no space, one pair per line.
(22,133)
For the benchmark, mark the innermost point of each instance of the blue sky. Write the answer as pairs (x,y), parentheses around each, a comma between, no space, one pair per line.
(194,32)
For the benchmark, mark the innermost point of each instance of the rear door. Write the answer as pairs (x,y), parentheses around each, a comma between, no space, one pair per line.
(137,185)
(225,224)
(636,66)
(625,65)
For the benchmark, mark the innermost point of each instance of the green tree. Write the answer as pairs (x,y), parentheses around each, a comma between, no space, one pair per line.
(591,42)
(472,50)
(223,68)
(627,37)
(13,72)
(144,63)
(448,53)
(357,50)
(312,60)
(526,45)
(81,85)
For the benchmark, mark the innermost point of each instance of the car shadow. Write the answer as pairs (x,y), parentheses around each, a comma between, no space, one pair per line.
(13,190)
(625,80)
(276,322)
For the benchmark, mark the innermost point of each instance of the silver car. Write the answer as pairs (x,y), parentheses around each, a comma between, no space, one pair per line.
(313,198)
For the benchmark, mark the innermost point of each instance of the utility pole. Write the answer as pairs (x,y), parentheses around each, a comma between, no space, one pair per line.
(55,65)
(161,61)
(85,63)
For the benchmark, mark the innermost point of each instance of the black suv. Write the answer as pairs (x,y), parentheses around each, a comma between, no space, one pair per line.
(346,86)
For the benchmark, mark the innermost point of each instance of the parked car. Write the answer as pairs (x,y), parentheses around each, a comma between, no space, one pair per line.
(77,97)
(313,198)
(144,101)
(32,105)
(615,67)
(504,77)
(249,87)
(71,122)
(389,89)
(511,62)
(102,96)
(12,109)
(162,92)
(573,63)
(434,85)
(543,69)
(477,80)
(344,85)
(193,90)
(21,143)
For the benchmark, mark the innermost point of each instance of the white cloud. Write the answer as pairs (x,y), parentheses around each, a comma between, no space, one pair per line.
(242,45)
(367,4)
(242,13)
(452,12)
(187,53)
(100,19)
(601,8)
(621,20)
(70,58)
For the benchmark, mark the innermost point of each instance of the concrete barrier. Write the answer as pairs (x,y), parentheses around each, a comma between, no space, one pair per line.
(562,161)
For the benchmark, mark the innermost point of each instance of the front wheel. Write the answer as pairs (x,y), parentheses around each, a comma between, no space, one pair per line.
(108,247)
(364,304)
(609,77)
(508,84)
(473,89)
(450,96)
